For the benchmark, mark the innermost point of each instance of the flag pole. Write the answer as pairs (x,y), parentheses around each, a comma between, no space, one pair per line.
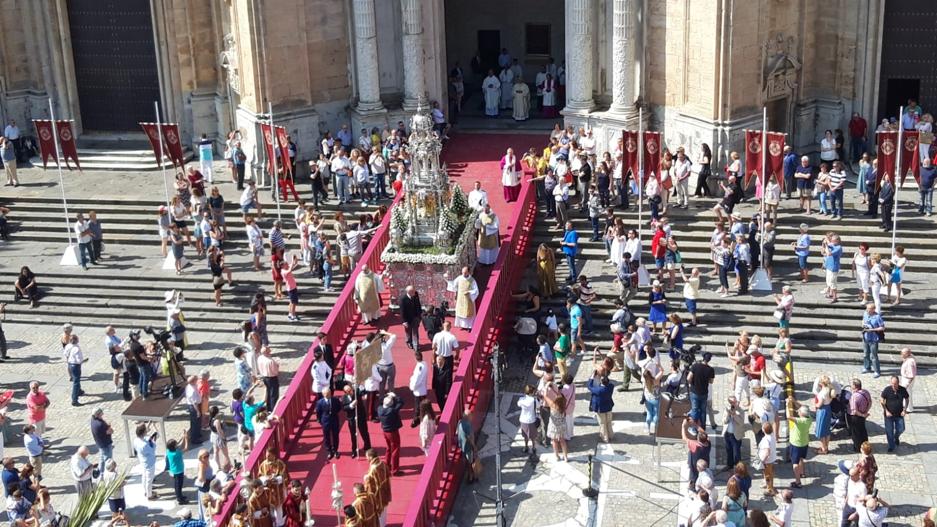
(170,261)
(276,175)
(70,257)
(894,207)
(640,175)
(640,179)
(760,281)
(162,164)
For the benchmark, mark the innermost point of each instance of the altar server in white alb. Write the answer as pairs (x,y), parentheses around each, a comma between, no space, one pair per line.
(507,88)
(478,198)
(491,87)
(489,240)
(466,292)
(521,100)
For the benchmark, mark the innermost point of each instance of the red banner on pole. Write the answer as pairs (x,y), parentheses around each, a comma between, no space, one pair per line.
(173,144)
(910,158)
(652,154)
(887,154)
(46,140)
(283,144)
(752,155)
(152,134)
(776,157)
(267,135)
(629,154)
(67,140)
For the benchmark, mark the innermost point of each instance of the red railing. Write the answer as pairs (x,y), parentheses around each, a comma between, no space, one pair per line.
(294,407)
(438,485)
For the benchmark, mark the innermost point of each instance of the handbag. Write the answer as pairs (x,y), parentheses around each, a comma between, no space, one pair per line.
(477,466)
(779,314)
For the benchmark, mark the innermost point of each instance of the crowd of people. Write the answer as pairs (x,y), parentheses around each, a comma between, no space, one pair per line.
(572,174)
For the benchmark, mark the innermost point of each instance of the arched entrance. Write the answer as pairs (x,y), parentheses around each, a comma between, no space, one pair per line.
(532,31)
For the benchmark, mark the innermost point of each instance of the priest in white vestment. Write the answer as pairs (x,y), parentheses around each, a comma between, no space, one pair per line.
(507,88)
(489,239)
(549,96)
(538,82)
(478,198)
(521,100)
(466,292)
(510,176)
(367,289)
(491,87)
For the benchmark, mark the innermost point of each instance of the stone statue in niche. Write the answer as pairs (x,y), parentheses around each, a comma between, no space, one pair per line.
(779,75)
(228,60)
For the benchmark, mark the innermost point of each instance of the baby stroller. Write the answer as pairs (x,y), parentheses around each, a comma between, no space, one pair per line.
(839,406)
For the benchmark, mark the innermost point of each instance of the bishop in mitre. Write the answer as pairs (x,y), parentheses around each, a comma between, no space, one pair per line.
(489,240)
(466,292)
(367,291)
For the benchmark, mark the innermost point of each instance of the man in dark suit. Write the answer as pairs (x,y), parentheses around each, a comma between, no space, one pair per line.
(327,352)
(412,313)
(328,413)
(442,380)
(357,416)
(886,198)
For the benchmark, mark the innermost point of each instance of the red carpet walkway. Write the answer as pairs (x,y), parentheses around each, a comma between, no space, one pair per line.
(469,157)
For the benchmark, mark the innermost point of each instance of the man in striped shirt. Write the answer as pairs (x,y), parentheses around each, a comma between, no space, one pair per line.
(276,237)
(837,188)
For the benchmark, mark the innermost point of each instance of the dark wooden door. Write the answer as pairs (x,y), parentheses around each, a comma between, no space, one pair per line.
(489,47)
(909,56)
(115,62)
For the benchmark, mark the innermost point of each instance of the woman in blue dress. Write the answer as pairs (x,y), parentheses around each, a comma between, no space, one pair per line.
(823,393)
(658,303)
(675,335)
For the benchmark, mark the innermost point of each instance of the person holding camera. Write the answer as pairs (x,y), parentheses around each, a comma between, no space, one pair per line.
(870,512)
(733,419)
(600,402)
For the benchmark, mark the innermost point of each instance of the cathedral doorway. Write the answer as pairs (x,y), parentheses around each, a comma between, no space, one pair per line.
(909,55)
(479,32)
(115,63)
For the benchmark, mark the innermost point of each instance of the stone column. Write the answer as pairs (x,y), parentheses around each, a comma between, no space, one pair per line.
(579,55)
(369,87)
(414,76)
(623,51)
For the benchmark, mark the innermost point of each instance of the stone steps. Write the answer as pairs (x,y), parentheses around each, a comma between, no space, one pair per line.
(133,222)
(129,160)
(821,331)
(99,300)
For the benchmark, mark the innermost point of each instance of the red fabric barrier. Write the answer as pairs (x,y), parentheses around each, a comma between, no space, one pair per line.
(438,486)
(294,407)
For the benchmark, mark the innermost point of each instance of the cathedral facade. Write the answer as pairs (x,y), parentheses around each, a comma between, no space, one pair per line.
(697,70)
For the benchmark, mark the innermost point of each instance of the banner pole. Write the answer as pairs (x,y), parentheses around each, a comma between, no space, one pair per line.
(640,175)
(58,163)
(170,261)
(162,164)
(275,149)
(894,207)
(764,179)
(760,280)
